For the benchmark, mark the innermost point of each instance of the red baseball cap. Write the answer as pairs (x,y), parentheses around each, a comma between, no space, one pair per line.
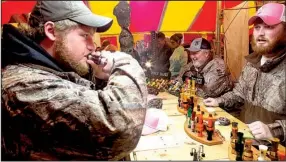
(270,13)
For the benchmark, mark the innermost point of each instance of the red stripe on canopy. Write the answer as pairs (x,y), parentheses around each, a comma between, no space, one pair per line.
(10,8)
(230,4)
(145,15)
(112,40)
(206,19)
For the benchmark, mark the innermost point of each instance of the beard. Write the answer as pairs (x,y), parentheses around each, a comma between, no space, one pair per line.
(198,64)
(273,48)
(64,57)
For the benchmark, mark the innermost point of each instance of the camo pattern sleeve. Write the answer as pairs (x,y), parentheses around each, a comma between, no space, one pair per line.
(59,116)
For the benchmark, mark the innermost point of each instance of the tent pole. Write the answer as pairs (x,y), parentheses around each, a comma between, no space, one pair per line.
(218,25)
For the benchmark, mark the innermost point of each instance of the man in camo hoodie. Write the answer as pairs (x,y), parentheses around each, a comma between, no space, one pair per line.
(261,86)
(212,73)
(57,104)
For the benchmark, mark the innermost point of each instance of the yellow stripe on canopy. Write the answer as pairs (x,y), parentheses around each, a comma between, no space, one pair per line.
(179,15)
(251,11)
(105,8)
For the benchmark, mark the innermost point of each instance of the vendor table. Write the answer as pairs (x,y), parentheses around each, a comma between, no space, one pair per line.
(175,144)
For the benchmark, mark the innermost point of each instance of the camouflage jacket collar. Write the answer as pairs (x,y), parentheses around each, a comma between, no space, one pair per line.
(93,83)
(206,66)
(255,59)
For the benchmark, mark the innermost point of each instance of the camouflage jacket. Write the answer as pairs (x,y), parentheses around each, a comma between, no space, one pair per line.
(56,115)
(216,76)
(262,90)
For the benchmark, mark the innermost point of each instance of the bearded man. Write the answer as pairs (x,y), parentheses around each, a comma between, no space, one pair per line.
(56,103)
(261,86)
(213,76)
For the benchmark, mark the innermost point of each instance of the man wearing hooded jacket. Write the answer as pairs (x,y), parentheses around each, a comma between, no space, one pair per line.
(261,86)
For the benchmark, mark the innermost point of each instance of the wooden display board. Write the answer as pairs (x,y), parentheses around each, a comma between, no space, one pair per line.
(178,144)
(216,139)
(181,110)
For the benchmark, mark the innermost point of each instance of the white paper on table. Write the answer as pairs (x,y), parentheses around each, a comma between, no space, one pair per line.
(167,102)
(226,159)
(157,142)
(210,109)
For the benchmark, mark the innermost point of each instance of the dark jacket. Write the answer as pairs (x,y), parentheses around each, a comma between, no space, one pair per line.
(160,60)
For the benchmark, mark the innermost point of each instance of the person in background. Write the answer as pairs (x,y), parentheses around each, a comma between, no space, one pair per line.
(261,85)
(140,46)
(180,36)
(142,52)
(57,104)
(213,72)
(160,60)
(179,58)
(186,46)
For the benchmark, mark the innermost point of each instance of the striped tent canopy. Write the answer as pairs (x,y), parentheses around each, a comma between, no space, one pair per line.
(166,16)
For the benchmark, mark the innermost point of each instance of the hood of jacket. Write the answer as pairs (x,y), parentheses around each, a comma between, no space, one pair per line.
(255,59)
(18,48)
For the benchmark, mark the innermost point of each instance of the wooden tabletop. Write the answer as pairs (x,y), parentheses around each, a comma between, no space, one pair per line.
(175,144)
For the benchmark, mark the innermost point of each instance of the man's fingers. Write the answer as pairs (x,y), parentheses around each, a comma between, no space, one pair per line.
(207,100)
(253,124)
(255,127)
(260,130)
(256,132)
(96,53)
(90,62)
(210,102)
(259,136)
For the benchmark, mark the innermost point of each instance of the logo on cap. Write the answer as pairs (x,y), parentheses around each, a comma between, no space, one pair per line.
(196,43)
